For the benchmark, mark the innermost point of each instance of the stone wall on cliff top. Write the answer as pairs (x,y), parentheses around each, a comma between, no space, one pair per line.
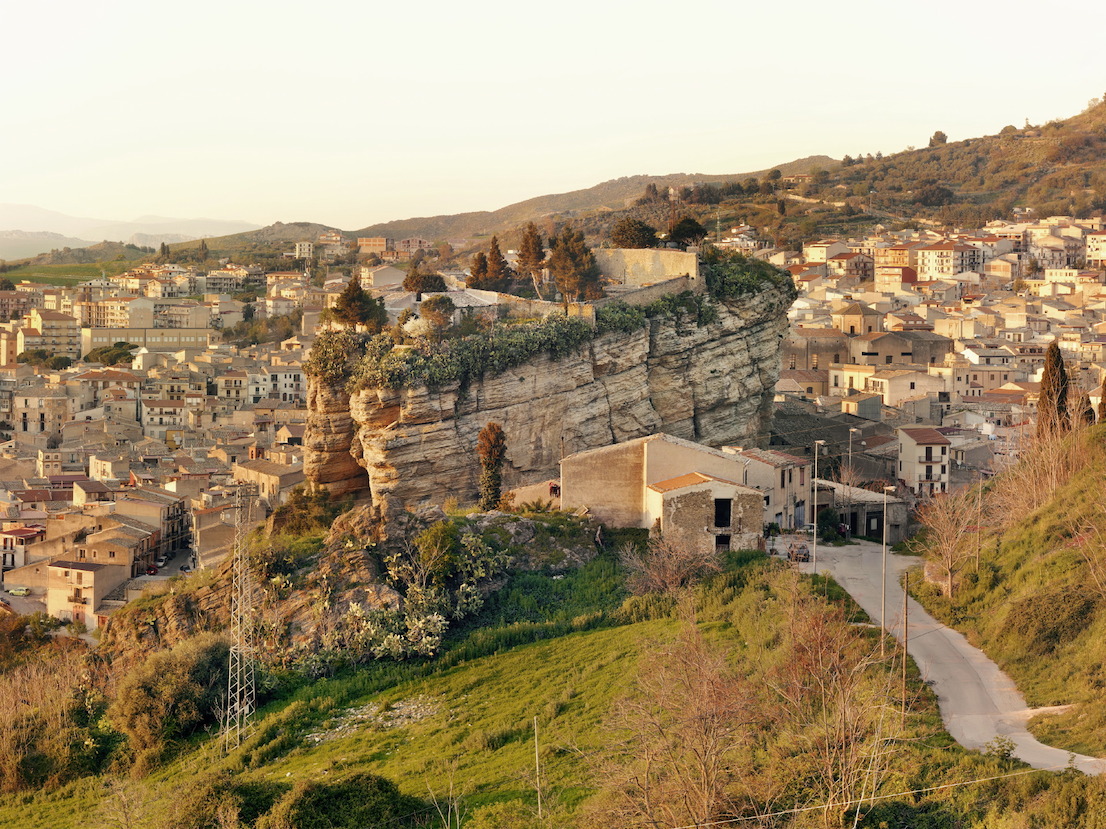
(712,384)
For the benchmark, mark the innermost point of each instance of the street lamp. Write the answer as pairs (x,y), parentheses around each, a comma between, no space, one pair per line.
(883,581)
(849,477)
(818,444)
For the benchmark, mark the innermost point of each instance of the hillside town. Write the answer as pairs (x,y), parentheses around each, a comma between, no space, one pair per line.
(925,349)
(913,358)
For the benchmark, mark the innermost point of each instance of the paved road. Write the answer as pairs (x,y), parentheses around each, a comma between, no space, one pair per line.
(978,701)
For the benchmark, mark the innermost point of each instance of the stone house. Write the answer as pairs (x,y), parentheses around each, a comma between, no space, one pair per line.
(705,513)
(663,483)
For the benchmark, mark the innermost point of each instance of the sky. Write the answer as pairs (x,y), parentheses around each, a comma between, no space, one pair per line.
(352,113)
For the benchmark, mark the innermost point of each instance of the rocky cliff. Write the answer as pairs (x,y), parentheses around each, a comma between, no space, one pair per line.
(710,383)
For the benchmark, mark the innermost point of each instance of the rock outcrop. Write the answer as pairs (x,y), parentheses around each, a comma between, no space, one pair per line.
(711,383)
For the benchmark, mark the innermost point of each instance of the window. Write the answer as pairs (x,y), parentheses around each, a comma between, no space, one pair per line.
(723,513)
(721,543)
(888,358)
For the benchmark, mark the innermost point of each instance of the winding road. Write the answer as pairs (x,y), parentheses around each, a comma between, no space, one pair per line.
(978,701)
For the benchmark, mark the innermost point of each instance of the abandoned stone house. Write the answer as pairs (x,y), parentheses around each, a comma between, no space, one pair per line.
(686,491)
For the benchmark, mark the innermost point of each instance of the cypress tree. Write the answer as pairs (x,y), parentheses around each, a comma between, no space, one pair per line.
(491,447)
(1052,404)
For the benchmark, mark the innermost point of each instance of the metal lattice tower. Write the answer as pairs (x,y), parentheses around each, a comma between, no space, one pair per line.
(241,682)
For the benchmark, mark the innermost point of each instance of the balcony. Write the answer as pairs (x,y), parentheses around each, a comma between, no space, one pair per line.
(924,459)
(76,599)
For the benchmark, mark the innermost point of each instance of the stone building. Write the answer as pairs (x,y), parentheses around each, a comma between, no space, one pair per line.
(666,484)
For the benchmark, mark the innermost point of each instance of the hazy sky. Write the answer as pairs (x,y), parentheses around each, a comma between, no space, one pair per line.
(350,113)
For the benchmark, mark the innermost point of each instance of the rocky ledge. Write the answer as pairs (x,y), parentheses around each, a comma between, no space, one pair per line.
(710,383)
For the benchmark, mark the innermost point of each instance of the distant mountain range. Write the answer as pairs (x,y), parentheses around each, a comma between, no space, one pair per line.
(27,230)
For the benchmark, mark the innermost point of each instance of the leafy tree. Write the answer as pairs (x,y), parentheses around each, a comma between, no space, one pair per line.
(938,138)
(59,362)
(1052,405)
(651,195)
(573,266)
(111,355)
(774,175)
(531,255)
(687,231)
(934,196)
(34,356)
(633,233)
(420,282)
(491,448)
(437,311)
(6,284)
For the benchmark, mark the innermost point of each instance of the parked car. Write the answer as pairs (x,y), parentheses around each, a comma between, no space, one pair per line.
(184,568)
(161,561)
(151,570)
(20,591)
(800,553)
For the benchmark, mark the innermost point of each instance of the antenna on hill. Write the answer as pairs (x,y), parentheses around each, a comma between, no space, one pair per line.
(241,679)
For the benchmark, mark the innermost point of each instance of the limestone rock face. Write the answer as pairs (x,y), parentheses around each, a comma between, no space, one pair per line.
(711,384)
(332,451)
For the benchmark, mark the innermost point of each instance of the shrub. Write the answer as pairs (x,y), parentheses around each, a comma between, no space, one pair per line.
(359,801)
(1049,620)
(174,694)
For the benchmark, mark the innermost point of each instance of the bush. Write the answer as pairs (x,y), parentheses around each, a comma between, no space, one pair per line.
(361,800)
(1049,620)
(174,694)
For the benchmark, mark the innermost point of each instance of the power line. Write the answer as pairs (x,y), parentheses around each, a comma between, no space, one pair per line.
(861,801)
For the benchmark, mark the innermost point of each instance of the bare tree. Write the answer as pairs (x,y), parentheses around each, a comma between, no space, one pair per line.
(833,715)
(1042,469)
(686,728)
(1089,538)
(665,566)
(948,519)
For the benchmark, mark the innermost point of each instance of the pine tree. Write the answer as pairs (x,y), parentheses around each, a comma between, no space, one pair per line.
(573,267)
(1052,405)
(355,306)
(491,448)
(531,256)
(499,273)
(478,271)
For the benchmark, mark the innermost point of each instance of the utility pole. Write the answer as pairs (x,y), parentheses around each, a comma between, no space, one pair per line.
(905,639)
(537,766)
(883,582)
(241,680)
(818,444)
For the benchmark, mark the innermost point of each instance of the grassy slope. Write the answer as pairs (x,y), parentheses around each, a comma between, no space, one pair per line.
(476,714)
(1030,609)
